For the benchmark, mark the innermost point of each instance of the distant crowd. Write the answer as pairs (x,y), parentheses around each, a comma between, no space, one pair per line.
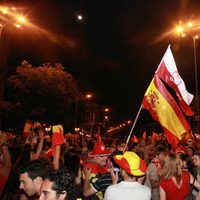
(56,166)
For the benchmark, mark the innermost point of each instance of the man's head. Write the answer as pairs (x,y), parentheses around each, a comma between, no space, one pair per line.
(161,153)
(32,174)
(59,186)
(100,153)
(196,159)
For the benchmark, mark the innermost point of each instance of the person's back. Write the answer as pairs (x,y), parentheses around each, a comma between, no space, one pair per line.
(133,170)
(127,191)
(153,170)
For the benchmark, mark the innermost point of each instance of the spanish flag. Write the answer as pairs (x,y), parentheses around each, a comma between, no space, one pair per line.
(57,137)
(163,108)
(27,128)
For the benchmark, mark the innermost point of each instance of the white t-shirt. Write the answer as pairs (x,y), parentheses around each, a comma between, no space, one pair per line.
(128,191)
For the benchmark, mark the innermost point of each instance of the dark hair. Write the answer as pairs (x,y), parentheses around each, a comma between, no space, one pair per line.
(114,153)
(197,153)
(63,181)
(160,149)
(72,163)
(37,168)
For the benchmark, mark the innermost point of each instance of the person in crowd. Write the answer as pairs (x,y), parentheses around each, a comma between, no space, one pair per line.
(174,182)
(59,186)
(196,163)
(32,174)
(5,162)
(153,171)
(104,180)
(97,164)
(133,168)
(186,162)
(72,164)
(190,150)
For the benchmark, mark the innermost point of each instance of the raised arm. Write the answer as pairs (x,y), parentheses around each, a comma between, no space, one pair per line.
(6,163)
(40,144)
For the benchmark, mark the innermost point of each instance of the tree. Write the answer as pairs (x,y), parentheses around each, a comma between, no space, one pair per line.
(46,93)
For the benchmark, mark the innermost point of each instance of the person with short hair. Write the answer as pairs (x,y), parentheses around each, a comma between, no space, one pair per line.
(59,186)
(32,174)
(153,171)
(104,180)
(133,169)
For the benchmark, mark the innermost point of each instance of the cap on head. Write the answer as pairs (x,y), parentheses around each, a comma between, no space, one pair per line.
(99,150)
(131,163)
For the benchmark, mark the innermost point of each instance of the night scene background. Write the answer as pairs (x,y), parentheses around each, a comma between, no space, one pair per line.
(113,51)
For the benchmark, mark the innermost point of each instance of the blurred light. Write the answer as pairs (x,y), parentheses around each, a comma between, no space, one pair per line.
(196,37)
(21,19)
(190,24)
(129,121)
(179,29)
(13,8)
(77,129)
(106,117)
(106,109)
(183,35)
(4,10)
(80,17)
(17,25)
(88,96)
(47,129)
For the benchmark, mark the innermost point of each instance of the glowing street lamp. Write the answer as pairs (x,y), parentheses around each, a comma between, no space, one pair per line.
(20,20)
(9,16)
(88,96)
(79,17)
(184,31)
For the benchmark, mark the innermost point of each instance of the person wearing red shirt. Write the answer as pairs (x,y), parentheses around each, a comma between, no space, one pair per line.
(174,182)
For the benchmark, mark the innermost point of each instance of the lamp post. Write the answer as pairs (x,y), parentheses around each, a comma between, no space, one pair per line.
(188,31)
(196,71)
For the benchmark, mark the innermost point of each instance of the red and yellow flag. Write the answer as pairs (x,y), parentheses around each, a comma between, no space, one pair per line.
(27,128)
(57,137)
(163,108)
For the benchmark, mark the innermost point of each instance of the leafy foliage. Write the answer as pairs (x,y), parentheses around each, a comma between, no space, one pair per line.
(46,93)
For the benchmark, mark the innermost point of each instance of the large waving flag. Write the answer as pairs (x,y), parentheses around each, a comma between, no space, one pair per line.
(168,72)
(163,108)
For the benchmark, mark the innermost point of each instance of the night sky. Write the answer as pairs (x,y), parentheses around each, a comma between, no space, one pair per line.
(114,51)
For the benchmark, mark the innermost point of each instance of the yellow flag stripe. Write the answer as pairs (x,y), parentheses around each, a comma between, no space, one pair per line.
(167,116)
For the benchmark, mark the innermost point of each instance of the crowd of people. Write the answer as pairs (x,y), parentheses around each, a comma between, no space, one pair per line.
(57,167)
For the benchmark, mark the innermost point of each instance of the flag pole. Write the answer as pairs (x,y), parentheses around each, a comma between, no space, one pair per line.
(136,118)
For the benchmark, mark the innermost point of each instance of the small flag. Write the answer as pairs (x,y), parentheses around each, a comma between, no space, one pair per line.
(58,137)
(27,128)
(135,139)
(144,135)
(155,136)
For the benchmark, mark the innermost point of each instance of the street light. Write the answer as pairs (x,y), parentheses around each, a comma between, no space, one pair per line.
(184,31)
